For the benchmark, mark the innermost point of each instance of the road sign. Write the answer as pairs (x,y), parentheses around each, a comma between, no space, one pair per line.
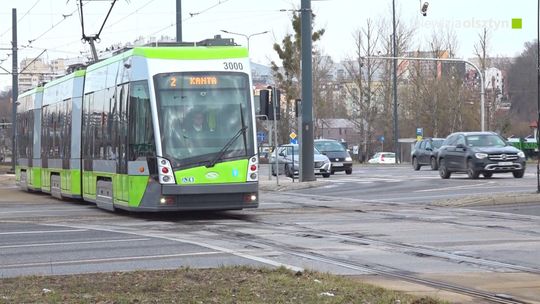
(419,131)
(294,141)
(381,138)
(261,136)
(418,137)
(292,135)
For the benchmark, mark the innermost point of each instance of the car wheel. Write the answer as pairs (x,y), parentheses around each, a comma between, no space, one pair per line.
(434,164)
(326,175)
(518,174)
(415,164)
(487,174)
(471,172)
(443,171)
(348,171)
(288,171)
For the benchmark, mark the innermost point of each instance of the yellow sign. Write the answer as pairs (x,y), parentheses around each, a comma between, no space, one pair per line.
(418,137)
(292,135)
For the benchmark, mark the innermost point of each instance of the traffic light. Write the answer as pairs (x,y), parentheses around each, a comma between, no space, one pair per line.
(277,100)
(264,102)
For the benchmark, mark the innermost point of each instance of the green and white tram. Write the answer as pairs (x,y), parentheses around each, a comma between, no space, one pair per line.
(149,129)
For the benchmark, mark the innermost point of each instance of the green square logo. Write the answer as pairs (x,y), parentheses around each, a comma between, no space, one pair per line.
(516,23)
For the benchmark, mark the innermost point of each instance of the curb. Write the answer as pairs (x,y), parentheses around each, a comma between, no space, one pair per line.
(490,200)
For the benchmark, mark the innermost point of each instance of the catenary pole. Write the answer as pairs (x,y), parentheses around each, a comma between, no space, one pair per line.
(14,88)
(306,141)
(178,20)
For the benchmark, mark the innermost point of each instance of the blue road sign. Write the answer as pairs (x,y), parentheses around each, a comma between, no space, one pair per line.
(419,131)
(294,141)
(381,138)
(261,136)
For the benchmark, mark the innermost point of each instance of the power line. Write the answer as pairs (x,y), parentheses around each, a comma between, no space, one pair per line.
(130,14)
(192,15)
(24,15)
(64,17)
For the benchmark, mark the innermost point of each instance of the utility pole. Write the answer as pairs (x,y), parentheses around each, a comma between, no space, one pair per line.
(14,88)
(306,141)
(394,83)
(538,97)
(178,20)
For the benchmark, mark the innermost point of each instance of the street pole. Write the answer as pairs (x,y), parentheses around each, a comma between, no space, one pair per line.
(538,97)
(482,85)
(394,83)
(306,142)
(14,88)
(274,106)
(178,20)
(245,36)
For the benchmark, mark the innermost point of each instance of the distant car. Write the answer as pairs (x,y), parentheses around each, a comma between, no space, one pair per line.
(337,153)
(478,153)
(288,161)
(383,158)
(425,153)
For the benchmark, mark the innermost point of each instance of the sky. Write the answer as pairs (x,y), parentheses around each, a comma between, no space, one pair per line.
(55,25)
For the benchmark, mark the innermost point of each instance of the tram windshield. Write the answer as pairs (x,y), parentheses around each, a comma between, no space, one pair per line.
(200,115)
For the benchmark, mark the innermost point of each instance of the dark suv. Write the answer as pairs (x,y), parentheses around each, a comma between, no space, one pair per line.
(479,153)
(336,152)
(425,153)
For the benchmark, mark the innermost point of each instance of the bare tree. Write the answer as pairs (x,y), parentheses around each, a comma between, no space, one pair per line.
(481,50)
(362,86)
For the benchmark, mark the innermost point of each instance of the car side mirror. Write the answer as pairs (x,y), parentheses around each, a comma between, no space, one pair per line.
(281,154)
(461,146)
(429,149)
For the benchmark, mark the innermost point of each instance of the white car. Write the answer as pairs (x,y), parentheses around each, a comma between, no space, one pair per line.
(383,158)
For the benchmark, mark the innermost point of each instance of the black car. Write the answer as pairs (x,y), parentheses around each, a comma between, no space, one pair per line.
(425,153)
(479,153)
(336,152)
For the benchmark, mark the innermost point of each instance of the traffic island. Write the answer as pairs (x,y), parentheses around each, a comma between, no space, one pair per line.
(490,200)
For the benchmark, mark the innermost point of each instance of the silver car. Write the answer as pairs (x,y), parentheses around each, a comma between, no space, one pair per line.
(288,161)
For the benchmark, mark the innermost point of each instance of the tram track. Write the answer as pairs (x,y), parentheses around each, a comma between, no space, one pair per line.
(370,268)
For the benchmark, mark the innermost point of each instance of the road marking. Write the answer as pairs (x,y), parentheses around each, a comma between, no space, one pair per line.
(455,187)
(119,259)
(48,210)
(197,243)
(71,243)
(42,231)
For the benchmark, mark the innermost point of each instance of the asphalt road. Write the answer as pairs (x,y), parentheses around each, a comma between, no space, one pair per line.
(375,225)
(397,184)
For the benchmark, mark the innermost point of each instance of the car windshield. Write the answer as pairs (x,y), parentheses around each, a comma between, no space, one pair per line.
(329,146)
(389,155)
(488,140)
(437,143)
(191,109)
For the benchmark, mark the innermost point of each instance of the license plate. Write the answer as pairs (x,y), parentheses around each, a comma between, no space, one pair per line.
(337,164)
(505,163)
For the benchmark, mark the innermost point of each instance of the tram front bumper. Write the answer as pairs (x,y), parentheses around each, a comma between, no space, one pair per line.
(201,197)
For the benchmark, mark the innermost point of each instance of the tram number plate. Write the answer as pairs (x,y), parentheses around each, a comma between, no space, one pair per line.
(505,163)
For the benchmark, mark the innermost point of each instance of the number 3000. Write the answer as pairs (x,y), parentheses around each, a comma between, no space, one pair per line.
(233,66)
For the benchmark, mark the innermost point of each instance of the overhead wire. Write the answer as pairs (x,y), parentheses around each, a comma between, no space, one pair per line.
(19,20)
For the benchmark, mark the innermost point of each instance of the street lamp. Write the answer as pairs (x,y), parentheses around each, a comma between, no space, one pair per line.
(244,35)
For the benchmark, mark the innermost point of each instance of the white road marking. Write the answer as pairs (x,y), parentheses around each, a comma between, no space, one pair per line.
(196,243)
(119,259)
(42,231)
(72,243)
(455,187)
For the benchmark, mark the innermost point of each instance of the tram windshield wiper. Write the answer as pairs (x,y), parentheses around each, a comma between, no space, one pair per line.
(226,147)
(221,152)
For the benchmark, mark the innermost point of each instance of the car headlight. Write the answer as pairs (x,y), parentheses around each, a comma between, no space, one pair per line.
(521,154)
(480,155)
(348,158)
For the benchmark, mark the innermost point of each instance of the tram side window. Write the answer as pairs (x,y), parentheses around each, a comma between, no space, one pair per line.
(122,135)
(141,132)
